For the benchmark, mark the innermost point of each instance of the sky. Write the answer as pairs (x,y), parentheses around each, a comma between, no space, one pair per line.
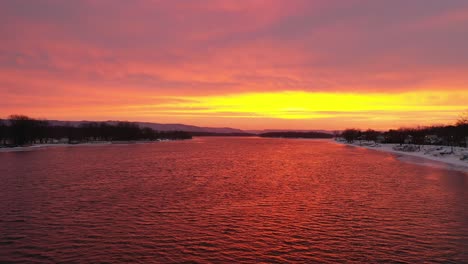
(250,64)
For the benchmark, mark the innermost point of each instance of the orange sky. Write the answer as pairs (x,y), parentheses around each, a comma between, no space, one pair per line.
(298,64)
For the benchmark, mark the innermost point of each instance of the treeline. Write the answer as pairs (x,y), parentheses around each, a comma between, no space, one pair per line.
(453,135)
(214,134)
(292,134)
(20,130)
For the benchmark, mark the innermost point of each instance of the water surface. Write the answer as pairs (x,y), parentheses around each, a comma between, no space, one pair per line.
(229,200)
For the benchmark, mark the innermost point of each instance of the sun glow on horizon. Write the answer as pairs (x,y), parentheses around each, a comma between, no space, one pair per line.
(378,109)
(284,109)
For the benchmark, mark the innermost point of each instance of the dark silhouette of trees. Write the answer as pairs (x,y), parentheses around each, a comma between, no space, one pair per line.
(289,134)
(450,135)
(456,135)
(41,131)
(173,135)
(370,135)
(395,136)
(351,134)
(215,134)
(463,119)
(3,132)
(21,130)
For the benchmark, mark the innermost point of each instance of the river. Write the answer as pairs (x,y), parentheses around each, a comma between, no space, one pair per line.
(225,200)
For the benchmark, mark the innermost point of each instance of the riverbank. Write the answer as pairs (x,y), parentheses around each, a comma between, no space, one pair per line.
(53,145)
(455,156)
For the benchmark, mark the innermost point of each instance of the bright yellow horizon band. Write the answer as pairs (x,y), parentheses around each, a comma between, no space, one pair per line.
(285,109)
(309,105)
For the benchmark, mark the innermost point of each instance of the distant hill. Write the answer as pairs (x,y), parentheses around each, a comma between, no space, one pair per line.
(190,128)
(162,127)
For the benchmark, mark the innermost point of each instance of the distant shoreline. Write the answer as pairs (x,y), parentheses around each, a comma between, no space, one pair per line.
(294,134)
(85,144)
(429,152)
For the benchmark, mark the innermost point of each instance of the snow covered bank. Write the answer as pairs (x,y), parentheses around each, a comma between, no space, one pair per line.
(456,156)
(98,143)
(42,146)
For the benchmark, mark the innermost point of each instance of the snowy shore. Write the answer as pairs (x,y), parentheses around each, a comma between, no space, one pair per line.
(99,143)
(456,156)
(42,146)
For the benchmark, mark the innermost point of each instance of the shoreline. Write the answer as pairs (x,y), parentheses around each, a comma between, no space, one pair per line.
(427,152)
(87,144)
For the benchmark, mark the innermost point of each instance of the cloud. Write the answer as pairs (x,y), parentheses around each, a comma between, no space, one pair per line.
(143,49)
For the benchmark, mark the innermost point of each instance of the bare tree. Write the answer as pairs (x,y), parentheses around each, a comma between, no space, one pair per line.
(351,134)
(22,129)
(463,118)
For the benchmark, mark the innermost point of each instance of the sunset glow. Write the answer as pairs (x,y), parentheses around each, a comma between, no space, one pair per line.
(247,64)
